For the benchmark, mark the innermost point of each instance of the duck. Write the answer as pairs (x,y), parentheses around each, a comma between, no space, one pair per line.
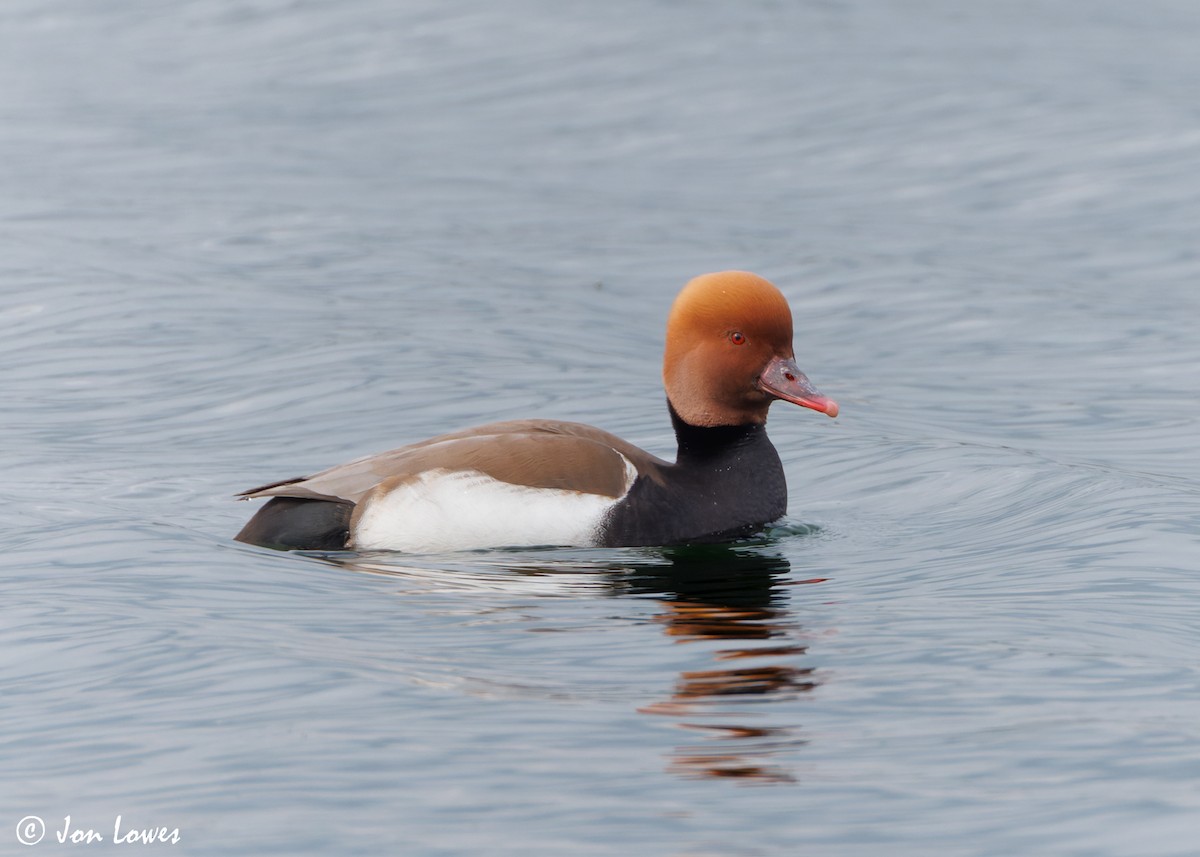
(538,482)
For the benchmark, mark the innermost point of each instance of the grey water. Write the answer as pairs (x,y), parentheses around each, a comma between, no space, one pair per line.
(244,240)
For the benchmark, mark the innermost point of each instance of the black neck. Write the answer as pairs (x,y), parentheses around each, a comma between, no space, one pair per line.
(701,443)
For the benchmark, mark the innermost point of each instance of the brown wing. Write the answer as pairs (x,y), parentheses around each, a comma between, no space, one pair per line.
(537,453)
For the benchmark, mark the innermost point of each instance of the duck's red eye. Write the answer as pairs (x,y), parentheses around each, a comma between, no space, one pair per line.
(737,338)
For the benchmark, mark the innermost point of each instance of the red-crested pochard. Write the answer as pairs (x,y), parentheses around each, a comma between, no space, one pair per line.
(545,482)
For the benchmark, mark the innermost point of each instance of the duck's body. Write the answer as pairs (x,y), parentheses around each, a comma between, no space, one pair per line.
(530,482)
(545,482)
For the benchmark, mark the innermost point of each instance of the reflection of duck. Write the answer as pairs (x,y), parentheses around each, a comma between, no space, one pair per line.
(736,575)
(733,595)
(729,594)
(540,482)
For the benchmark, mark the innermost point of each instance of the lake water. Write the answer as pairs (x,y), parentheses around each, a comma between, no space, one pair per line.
(248,239)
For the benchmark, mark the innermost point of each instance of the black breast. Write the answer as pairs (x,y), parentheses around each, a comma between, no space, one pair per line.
(727,482)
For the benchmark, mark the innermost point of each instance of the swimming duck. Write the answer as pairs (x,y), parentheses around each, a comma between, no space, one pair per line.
(728,357)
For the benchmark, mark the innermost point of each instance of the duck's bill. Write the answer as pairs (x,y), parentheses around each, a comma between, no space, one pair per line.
(783,379)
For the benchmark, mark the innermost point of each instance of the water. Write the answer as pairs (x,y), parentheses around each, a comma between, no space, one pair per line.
(247,240)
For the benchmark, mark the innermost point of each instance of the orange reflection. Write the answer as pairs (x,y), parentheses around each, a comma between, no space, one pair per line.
(732,598)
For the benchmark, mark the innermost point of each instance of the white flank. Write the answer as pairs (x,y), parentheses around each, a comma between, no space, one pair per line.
(444,510)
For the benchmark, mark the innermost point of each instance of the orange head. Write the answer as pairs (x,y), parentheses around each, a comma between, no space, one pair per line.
(729,352)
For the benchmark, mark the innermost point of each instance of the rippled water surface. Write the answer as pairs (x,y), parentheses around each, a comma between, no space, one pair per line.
(247,239)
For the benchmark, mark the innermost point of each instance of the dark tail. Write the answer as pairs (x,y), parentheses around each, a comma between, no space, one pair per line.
(292,523)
